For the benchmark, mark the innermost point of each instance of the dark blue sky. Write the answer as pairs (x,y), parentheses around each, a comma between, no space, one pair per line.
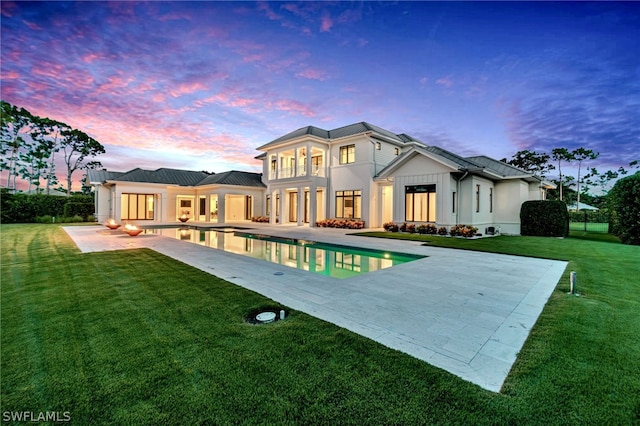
(199,85)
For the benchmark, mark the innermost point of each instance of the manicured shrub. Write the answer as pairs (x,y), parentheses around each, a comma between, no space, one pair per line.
(427,228)
(461,230)
(411,228)
(544,218)
(624,201)
(44,219)
(403,227)
(80,208)
(443,231)
(26,208)
(390,227)
(340,223)
(260,219)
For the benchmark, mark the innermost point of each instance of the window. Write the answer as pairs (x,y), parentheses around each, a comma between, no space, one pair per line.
(268,204)
(490,200)
(477,198)
(453,202)
(316,163)
(136,206)
(248,207)
(378,146)
(396,151)
(348,204)
(420,203)
(203,206)
(347,154)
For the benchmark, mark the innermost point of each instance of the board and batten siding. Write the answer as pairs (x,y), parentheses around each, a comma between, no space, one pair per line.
(420,170)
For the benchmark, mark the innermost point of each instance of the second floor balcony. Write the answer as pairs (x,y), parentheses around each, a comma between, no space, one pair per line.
(292,172)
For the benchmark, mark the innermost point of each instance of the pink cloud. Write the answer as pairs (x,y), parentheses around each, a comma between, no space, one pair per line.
(32,25)
(290,105)
(11,75)
(187,88)
(113,84)
(312,74)
(326,23)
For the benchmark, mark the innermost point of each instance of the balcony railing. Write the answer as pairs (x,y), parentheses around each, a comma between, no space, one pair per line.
(290,172)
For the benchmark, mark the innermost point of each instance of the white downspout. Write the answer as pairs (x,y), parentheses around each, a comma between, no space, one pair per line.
(466,173)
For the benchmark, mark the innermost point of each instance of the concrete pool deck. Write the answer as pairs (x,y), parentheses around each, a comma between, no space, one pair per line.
(466,312)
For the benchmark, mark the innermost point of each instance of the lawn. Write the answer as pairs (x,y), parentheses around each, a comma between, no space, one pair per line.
(134,337)
(590,226)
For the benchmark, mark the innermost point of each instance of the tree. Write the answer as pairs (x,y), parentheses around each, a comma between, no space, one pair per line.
(48,134)
(17,123)
(580,155)
(560,155)
(77,147)
(531,161)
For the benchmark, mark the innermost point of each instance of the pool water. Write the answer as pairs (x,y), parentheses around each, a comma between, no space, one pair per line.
(321,258)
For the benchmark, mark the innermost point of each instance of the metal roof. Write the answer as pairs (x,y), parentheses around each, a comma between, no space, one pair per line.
(234,177)
(99,176)
(164,175)
(178,177)
(461,161)
(341,132)
(503,169)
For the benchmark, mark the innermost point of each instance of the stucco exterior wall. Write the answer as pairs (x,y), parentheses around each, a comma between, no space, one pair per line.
(509,198)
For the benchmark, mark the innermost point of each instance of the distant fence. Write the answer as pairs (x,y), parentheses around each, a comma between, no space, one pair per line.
(591,221)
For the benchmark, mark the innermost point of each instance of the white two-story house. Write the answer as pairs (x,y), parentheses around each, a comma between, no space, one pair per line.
(364,172)
(359,171)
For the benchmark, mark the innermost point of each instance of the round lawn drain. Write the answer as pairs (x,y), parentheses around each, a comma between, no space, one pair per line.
(265,315)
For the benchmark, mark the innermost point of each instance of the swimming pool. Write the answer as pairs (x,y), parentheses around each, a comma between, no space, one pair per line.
(321,258)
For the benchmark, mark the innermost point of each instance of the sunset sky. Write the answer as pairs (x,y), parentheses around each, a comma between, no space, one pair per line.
(200,85)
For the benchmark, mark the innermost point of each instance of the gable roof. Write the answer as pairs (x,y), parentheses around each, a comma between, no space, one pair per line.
(342,132)
(438,154)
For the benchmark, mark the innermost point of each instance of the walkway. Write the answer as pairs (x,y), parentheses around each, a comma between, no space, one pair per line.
(466,312)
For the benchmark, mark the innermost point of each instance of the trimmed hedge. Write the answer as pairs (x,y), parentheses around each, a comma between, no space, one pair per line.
(624,201)
(79,208)
(27,208)
(544,219)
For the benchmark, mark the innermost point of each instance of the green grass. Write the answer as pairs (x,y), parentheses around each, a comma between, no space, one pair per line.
(134,337)
(591,226)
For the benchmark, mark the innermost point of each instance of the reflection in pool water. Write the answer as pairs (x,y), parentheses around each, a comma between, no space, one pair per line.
(321,258)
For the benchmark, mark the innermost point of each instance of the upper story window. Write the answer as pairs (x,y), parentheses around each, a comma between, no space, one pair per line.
(273,165)
(347,154)
(396,151)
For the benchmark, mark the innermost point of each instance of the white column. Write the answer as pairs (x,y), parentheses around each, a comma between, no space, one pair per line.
(313,205)
(300,218)
(272,207)
(221,208)
(281,207)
